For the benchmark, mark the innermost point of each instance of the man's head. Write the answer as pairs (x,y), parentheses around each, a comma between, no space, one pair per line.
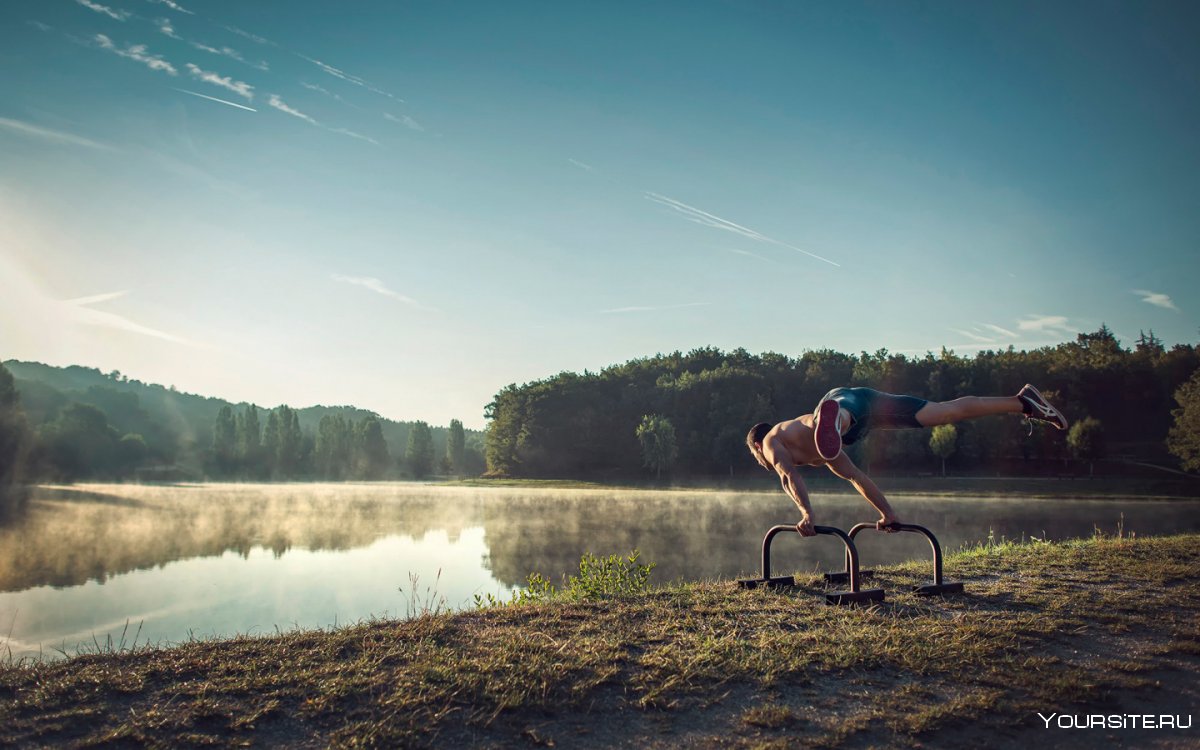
(754,440)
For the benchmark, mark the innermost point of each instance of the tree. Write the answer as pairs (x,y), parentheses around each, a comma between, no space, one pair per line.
(80,443)
(656,435)
(291,443)
(270,444)
(419,453)
(14,439)
(333,447)
(943,442)
(249,436)
(374,449)
(1085,440)
(456,447)
(1184,438)
(224,441)
(131,452)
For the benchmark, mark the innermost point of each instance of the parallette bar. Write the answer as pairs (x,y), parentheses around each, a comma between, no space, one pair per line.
(853,596)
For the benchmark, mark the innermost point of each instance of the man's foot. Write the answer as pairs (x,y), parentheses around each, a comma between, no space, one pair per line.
(1037,407)
(825,430)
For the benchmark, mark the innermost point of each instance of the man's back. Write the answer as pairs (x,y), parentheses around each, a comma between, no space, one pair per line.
(795,437)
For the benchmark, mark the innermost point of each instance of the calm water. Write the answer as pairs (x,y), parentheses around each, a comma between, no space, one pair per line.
(203,560)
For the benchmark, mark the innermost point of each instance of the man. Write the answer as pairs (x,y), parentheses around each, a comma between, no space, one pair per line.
(846,415)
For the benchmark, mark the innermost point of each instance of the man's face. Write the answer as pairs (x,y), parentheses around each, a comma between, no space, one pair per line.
(756,450)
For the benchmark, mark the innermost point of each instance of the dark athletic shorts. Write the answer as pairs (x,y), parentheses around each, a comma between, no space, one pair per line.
(871,408)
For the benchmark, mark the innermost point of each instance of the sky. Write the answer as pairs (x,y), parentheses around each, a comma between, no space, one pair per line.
(408,206)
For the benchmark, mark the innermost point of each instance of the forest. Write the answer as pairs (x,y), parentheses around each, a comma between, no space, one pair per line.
(686,415)
(671,416)
(77,423)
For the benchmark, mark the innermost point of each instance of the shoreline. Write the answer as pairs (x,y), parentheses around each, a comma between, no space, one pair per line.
(1105,625)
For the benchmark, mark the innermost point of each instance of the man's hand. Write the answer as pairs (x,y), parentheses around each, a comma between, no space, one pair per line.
(805,527)
(885,524)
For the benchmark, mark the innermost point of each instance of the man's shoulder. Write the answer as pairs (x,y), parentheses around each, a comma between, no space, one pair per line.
(791,446)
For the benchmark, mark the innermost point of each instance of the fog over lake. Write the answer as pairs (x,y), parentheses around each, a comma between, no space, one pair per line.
(221,559)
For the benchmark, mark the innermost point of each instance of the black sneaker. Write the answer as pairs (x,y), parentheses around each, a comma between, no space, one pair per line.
(1037,407)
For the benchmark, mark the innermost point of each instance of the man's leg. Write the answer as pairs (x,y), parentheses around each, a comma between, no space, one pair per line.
(967,407)
(1029,402)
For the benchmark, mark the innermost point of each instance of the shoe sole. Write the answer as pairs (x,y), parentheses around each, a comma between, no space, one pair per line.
(1059,421)
(827,437)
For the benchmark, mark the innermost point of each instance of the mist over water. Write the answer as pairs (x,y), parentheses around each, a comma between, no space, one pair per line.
(203,560)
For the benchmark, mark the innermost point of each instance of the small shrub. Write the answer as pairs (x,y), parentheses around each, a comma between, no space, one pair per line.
(599,578)
(607,577)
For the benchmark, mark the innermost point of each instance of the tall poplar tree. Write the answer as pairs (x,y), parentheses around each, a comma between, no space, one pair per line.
(224,441)
(249,434)
(374,451)
(419,454)
(456,447)
(270,445)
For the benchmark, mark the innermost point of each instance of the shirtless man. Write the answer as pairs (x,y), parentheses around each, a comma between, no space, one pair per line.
(845,415)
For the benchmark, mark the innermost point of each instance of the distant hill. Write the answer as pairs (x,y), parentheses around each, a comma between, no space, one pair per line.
(179,424)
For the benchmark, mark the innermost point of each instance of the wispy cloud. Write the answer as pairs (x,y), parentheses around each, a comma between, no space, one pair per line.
(251,37)
(215,99)
(581,165)
(46,134)
(716,222)
(999,331)
(748,254)
(348,77)
(40,26)
(335,72)
(1158,299)
(241,88)
(404,120)
(987,333)
(119,15)
(381,92)
(1045,324)
(975,336)
(164,25)
(173,6)
(138,52)
(79,311)
(377,286)
(232,54)
(323,90)
(352,134)
(651,308)
(282,106)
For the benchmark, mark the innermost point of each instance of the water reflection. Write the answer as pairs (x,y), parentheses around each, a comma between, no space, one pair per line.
(695,536)
(224,559)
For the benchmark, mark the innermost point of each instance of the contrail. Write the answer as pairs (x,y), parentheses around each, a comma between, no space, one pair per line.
(215,99)
(716,222)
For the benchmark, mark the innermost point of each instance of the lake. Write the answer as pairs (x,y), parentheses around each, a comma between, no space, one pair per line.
(192,561)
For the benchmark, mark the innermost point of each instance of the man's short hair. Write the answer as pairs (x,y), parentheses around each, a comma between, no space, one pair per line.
(756,435)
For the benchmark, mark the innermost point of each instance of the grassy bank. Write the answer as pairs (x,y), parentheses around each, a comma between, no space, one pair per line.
(1106,626)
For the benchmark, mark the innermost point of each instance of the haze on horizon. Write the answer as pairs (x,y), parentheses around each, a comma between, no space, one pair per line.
(408,207)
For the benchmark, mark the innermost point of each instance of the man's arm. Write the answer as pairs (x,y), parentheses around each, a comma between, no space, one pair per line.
(845,468)
(793,487)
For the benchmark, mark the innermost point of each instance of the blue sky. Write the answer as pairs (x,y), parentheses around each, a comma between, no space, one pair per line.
(408,206)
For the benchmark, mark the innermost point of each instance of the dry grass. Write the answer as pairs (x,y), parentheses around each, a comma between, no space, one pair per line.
(1042,625)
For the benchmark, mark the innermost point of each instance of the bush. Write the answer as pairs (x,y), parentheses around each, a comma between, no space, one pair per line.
(599,578)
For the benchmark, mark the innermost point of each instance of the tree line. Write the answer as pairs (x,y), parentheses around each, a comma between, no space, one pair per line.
(688,414)
(340,449)
(69,424)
